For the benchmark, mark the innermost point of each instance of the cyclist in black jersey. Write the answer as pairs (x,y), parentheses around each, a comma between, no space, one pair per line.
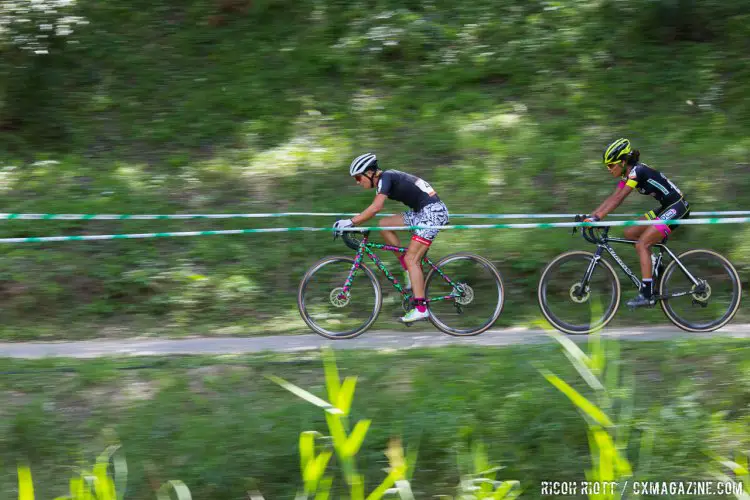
(622,161)
(426,209)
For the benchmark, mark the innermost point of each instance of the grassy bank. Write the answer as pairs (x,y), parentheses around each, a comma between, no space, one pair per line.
(221,427)
(201,107)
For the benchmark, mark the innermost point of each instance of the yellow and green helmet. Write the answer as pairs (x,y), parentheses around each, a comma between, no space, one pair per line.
(617,151)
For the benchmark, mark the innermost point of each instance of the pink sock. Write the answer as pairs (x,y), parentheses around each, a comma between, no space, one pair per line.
(421,304)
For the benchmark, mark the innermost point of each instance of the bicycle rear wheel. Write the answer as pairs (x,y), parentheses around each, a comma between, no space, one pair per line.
(567,307)
(473,304)
(330,312)
(710,305)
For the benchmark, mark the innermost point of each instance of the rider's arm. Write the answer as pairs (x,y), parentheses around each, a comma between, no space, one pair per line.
(606,201)
(369,212)
(613,201)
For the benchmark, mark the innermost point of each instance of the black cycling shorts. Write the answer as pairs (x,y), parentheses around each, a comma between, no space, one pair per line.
(680,209)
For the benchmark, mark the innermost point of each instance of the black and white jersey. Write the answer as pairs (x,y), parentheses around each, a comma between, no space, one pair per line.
(409,189)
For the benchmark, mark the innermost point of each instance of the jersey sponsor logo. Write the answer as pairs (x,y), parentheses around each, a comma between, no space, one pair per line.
(669,214)
(632,174)
(658,186)
(425,186)
(380,185)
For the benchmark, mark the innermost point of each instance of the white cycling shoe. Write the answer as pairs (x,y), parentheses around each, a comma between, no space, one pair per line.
(415,315)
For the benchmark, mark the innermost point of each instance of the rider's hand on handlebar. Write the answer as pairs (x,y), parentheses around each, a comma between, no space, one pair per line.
(584,218)
(341,224)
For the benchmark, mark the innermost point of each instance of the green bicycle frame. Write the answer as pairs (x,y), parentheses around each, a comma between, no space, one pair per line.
(366,248)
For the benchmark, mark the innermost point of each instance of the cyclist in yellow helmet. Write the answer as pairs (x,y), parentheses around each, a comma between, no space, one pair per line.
(622,161)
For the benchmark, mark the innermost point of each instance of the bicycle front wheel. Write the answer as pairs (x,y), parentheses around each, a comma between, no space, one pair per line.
(710,304)
(572,305)
(330,311)
(466,294)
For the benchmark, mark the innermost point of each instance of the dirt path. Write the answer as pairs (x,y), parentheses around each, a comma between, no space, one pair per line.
(388,340)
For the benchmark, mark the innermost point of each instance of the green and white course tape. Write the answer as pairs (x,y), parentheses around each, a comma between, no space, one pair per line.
(21,216)
(531,225)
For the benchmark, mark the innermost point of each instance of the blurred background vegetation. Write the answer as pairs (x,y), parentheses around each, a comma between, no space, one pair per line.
(212,106)
(221,427)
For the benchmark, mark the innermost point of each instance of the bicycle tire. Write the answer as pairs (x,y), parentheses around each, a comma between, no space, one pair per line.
(666,305)
(301,305)
(569,328)
(435,320)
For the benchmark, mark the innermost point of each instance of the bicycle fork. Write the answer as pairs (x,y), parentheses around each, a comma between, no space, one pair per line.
(352,272)
(583,289)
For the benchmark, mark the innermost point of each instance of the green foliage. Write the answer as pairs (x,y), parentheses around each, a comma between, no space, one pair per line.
(106,480)
(181,417)
(608,441)
(345,443)
(212,106)
(738,468)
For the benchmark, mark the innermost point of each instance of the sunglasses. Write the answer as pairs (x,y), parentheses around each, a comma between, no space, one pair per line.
(610,166)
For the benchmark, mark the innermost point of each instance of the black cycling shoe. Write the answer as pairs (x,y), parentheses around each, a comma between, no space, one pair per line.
(640,300)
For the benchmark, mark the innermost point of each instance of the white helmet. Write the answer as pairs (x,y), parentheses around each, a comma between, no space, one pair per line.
(361,163)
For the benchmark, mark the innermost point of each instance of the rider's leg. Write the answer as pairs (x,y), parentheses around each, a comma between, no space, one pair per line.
(417,249)
(390,236)
(635,232)
(433,215)
(652,235)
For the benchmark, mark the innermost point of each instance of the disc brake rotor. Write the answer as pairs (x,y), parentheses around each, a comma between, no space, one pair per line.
(339,298)
(702,296)
(467,296)
(574,295)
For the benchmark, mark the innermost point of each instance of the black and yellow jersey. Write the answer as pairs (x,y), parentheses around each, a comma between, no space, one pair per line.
(652,182)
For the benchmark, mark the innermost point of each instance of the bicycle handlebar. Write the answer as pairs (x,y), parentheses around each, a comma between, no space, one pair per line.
(589,234)
(351,240)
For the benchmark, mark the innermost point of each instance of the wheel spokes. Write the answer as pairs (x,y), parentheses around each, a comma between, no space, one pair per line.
(707,304)
(573,303)
(468,298)
(332,309)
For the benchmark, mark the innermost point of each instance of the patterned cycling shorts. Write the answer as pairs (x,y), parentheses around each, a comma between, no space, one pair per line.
(677,210)
(434,214)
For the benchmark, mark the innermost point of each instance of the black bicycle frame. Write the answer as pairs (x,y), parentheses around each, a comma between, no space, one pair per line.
(602,244)
(367,247)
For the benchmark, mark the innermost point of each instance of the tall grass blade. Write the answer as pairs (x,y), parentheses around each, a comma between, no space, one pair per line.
(25,483)
(332,375)
(355,439)
(310,398)
(580,361)
(178,487)
(586,406)
(346,394)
